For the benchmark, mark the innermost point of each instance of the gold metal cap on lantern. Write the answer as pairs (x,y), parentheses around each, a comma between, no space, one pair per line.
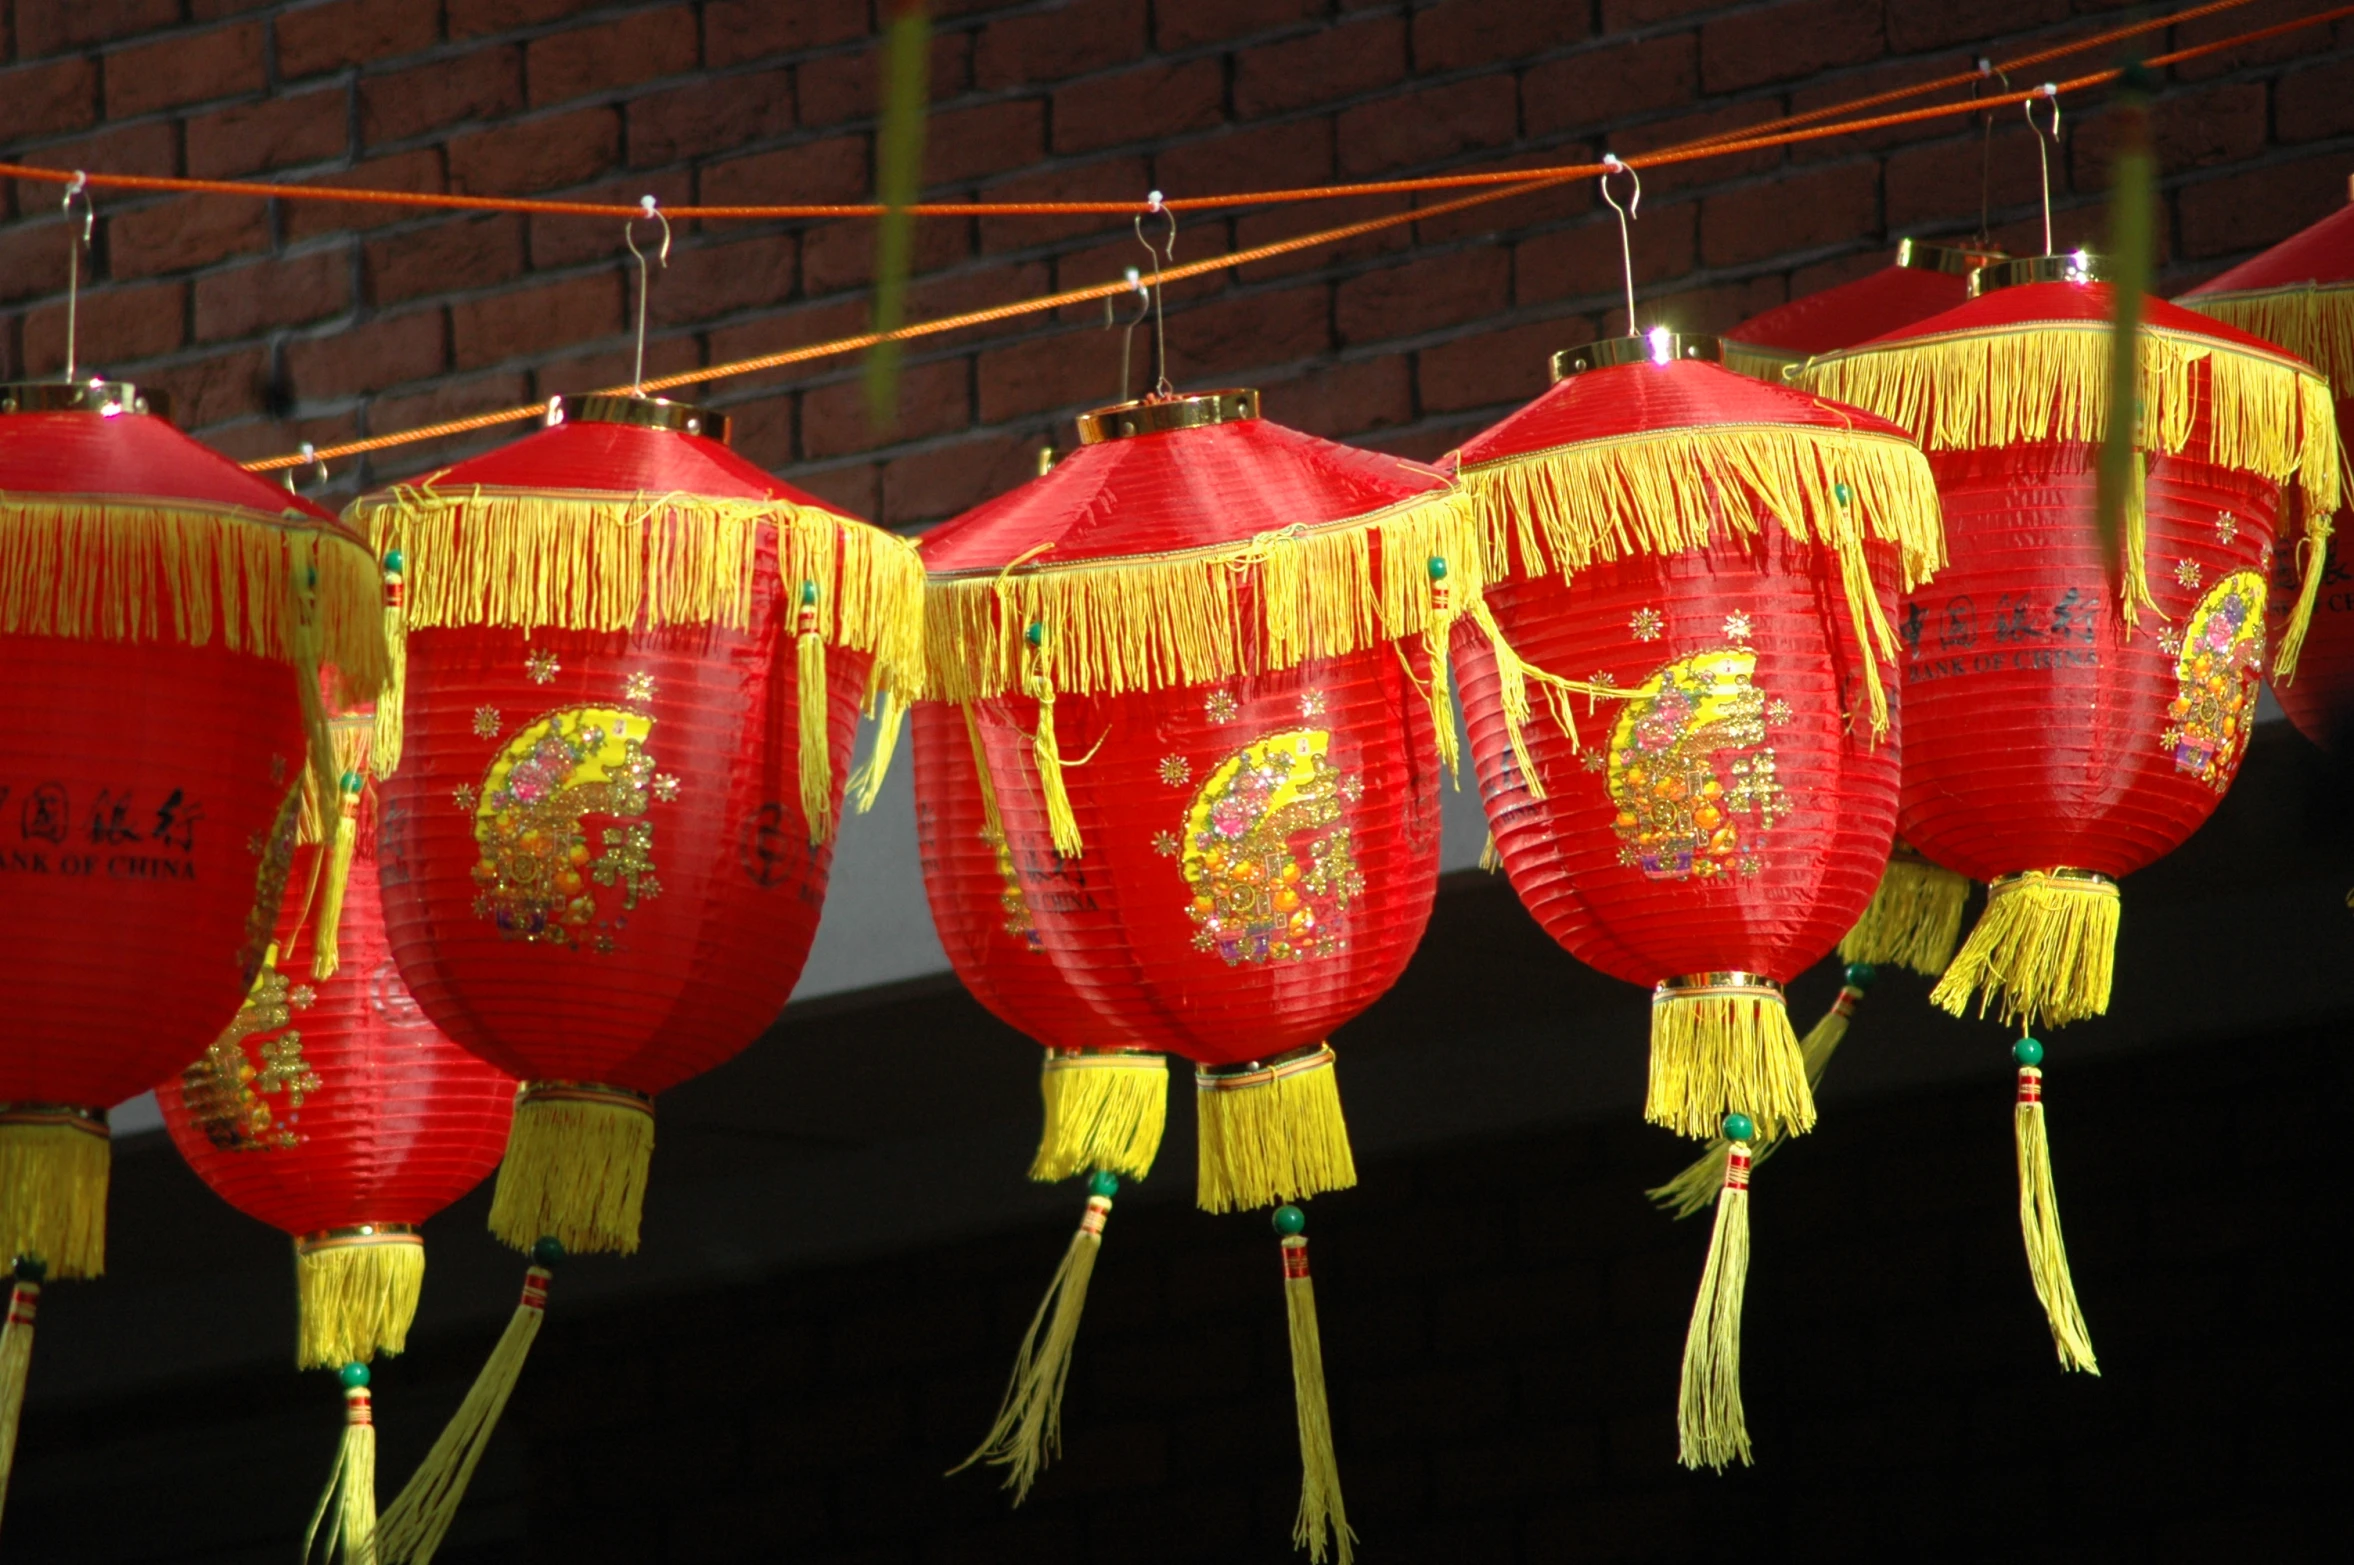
(2076,266)
(1953,260)
(610,407)
(107,398)
(1656,346)
(1158,415)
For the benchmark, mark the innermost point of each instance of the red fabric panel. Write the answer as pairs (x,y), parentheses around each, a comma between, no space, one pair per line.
(1853,312)
(2323,253)
(622,459)
(133,454)
(2033,304)
(2320,700)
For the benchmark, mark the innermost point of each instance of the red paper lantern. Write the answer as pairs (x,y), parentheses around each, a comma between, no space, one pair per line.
(2299,295)
(1922,280)
(635,666)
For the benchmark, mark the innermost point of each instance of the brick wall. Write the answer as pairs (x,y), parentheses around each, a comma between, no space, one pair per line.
(276,323)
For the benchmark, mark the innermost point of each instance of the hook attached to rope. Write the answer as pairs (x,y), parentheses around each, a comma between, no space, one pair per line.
(1626,214)
(646,208)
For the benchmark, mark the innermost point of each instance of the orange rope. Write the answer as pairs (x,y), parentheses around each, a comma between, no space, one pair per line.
(266,190)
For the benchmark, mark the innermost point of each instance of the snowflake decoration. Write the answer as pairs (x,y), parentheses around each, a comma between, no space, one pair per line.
(1220,707)
(1646,624)
(1749,866)
(2170,738)
(253,844)
(1176,770)
(665,787)
(465,796)
(2227,527)
(1628,858)
(1737,626)
(541,666)
(1203,940)
(302,997)
(1165,844)
(649,887)
(486,722)
(1311,703)
(1593,760)
(1352,788)
(638,687)
(1603,677)
(2188,573)
(1778,712)
(2170,641)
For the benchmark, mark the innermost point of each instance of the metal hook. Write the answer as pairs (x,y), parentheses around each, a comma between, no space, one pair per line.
(1160,325)
(2044,142)
(77,187)
(1128,336)
(1626,214)
(318,463)
(646,208)
(1987,69)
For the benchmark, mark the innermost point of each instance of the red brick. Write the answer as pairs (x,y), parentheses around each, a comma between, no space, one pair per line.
(539,154)
(307,127)
(1941,24)
(715,114)
(1086,182)
(1461,33)
(2308,105)
(1619,15)
(328,37)
(1714,310)
(182,69)
(274,437)
(2244,212)
(1423,295)
(480,84)
(600,369)
(184,232)
(444,400)
(1040,374)
(568,241)
(479,252)
(524,321)
(149,148)
(1692,127)
(1267,157)
(930,485)
(854,491)
(1830,274)
(1786,42)
(1284,222)
(820,322)
(708,281)
(637,48)
(989,138)
(1215,21)
(1425,126)
(1494,368)
(1849,86)
(1340,400)
(32,260)
(2266,13)
(958,293)
(1227,336)
(1048,46)
(2197,129)
(841,87)
(738,30)
(1540,208)
(409,171)
(53,26)
(835,256)
(47,100)
(1330,63)
(248,300)
(1940,183)
(818,172)
(214,389)
(1596,86)
(1584,262)
(1147,104)
(1798,211)
(934,399)
(474,18)
(115,326)
(355,360)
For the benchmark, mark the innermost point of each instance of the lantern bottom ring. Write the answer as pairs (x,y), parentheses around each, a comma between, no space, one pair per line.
(1109,1059)
(1692,986)
(1721,1044)
(1259,1073)
(575,1169)
(1270,1131)
(64,1116)
(2087,881)
(1105,1108)
(584,1092)
(358,1234)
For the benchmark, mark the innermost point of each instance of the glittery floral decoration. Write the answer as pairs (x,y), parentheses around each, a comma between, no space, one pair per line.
(1176,770)
(486,722)
(227,1094)
(302,997)
(1737,626)
(465,796)
(1267,853)
(541,665)
(1220,706)
(1646,624)
(665,788)
(1311,703)
(2170,640)
(2227,527)
(2216,675)
(2188,573)
(638,687)
(1778,712)
(1352,788)
(536,867)
(1165,844)
(1688,761)
(1593,760)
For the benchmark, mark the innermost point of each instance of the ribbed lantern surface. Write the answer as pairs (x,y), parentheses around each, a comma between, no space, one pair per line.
(1921,280)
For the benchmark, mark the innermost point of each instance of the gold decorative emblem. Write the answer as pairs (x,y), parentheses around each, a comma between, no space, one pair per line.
(541,665)
(536,867)
(1266,851)
(1311,703)
(1220,706)
(1737,627)
(1012,901)
(2188,573)
(486,722)
(638,687)
(1687,758)
(228,1096)
(2227,527)
(1645,624)
(275,849)
(2215,674)
(1176,770)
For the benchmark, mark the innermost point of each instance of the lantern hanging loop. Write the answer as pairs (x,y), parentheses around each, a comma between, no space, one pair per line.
(77,189)
(1144,299)
(1626,214)
(1166,252)
(2045,140)
(312,459)
(1988,70)
(647,208)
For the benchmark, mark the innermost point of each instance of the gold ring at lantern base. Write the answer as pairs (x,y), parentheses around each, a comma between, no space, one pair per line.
(109,398)
(1657,346)
(2077,266)
(357,1236)
(2088,882)
(1953,260)
(1259,1073)
(1109,1059)
(1693,986)
(640,412)
(1159,415)
(584,1092)
(65,1116)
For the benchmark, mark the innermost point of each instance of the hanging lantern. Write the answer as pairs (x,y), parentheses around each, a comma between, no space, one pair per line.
(1717,561)
(151,740)
(1920,281)
(1204,800)
(2073,712)
(2299,295)
(635,664)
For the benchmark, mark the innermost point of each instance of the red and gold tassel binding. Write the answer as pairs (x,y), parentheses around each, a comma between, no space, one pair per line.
(1323,1520)
(2039,1218)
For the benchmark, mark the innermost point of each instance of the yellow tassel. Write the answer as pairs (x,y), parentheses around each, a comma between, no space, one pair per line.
(1271,1131)
(2134,596)
(351,1484)
(2039,1224)
(420,1515)
(1720,1044)
(1105,1108)
(2044,950)
(16,1361)
(1711,1430)
(326,948)
(1046,750)
(1697,1186)
(310,655)
(817,763)
(355,1292)
(2312,565)
(1028,1433)
(54,1165)
(866,783)
(1490,860)
(575,1168)
(1439,688)
(390,718)
(1914,919)
(1323,1520)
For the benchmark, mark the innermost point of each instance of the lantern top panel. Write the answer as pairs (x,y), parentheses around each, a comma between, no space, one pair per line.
(1853,312)
(2037,306)
(2322,255)
(135,456)
(598,457)
(1177,490)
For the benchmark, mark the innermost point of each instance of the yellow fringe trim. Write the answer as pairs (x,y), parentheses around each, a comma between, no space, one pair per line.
(1271,1133)
(351,1488)
(355,1296)
(889,709)
(1720,1044)
(2039,1224)
(16,1364)
(575,1168)
(1666,492)
(1104,1109)
(1028,1433)
(54,1168)
(2045,949)
(1711,1429)
(1322,1514)
(809,698)
(1914,919)
(1170,620)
